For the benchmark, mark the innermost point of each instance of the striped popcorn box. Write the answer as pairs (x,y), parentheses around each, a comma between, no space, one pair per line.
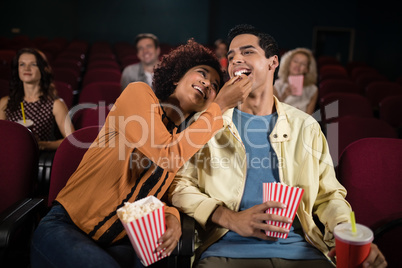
(144,222)
(290,196)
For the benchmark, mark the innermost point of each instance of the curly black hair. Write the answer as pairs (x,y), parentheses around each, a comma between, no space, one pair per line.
(175,65)
(47,87)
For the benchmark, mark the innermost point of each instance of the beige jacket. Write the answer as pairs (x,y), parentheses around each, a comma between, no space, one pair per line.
(216,176)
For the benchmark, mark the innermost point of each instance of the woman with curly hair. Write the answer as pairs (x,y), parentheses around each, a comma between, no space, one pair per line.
(141,146)
(32,84)
(298,62)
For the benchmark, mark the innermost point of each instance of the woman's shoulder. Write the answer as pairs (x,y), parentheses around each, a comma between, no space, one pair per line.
(311,86)
(310,89)
(58,101)
(59,106)
(4,101)
(139,89)
(137,93)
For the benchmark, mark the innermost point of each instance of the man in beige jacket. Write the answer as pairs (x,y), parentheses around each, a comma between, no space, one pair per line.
(263,140)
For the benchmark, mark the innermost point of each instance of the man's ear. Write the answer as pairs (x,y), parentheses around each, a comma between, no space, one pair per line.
(274,62)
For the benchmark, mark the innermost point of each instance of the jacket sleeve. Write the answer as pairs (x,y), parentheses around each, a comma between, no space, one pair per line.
(173,211)
(125,78)
(138,117)
(330,205)
(185,194)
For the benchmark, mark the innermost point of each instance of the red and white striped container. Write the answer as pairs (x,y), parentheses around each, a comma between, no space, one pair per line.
(145,232)
(290,196)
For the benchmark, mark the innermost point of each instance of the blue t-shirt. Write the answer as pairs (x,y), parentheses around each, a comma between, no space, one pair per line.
(262,166)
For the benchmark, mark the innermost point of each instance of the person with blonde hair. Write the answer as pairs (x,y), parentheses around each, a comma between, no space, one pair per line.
(298,62)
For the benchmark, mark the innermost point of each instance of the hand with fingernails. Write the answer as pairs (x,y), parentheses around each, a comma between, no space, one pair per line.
(234,92)
(168,241)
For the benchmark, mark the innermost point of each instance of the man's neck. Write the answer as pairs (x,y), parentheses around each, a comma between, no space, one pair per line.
(149,67)
(259,102)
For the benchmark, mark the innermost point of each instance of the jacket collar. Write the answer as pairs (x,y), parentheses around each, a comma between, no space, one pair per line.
(281,131)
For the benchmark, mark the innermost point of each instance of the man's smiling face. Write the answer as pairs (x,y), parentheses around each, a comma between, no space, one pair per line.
(246,56)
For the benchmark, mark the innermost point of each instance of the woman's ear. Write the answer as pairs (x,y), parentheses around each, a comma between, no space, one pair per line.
(175,83)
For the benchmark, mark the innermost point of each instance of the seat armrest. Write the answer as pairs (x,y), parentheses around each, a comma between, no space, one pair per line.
(187,240)
(387,236)
(185,247)
(181,255)
(378,232)
(15,217)
(45,163)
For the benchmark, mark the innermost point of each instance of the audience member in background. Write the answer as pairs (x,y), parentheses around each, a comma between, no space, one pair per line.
(221,49)
(263,140)
(136,154)
(32,84)
(300,64)
(148,51)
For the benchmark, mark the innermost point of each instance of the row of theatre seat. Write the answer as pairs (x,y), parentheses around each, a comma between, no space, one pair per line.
(357,78)
(21,207)
(356,101)
(369,168)
(76,65)
(360,111)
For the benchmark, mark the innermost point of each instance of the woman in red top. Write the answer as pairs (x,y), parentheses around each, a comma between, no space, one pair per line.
(142,145)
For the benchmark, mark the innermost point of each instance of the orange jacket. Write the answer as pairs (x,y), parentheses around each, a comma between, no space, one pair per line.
(133,156)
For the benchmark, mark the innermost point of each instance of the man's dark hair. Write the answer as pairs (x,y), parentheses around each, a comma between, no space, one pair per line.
(266,41)
(146,35)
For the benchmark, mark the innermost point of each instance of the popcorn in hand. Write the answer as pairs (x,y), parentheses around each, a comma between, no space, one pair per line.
(144,222)
(133,211)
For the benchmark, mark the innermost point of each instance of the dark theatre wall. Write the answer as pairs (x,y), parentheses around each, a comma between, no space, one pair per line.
(377,26)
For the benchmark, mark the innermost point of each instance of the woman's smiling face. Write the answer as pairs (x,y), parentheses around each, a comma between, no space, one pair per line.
(298,64)
(197,88)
